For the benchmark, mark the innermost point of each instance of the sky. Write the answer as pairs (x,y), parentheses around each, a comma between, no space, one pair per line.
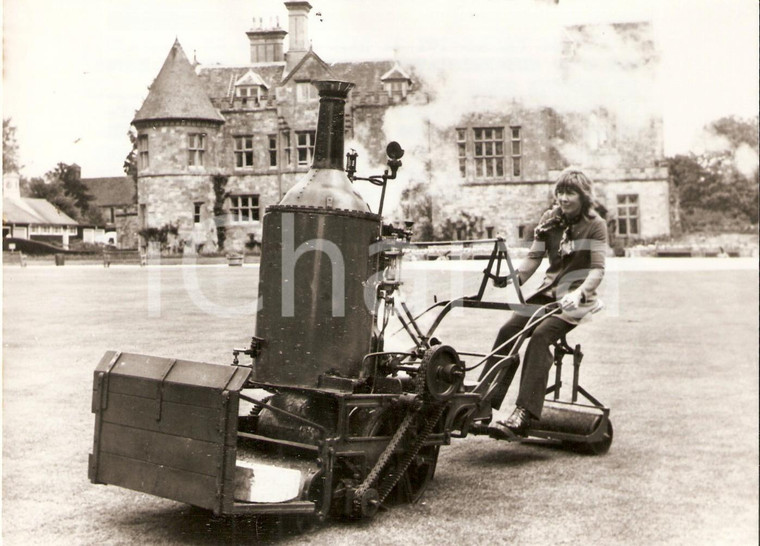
(75,72)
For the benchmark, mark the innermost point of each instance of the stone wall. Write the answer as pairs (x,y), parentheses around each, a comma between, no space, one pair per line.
(171,199)
(513,209)
(168,148)
(654,217)
(127,225)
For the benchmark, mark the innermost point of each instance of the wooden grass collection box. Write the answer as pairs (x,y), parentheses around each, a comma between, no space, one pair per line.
(167,427)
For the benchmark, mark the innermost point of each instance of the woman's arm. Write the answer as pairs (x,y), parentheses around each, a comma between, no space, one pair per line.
(537,250)
(527,267)
(598,247)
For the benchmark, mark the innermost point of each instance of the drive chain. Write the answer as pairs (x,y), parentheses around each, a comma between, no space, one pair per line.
(393,478)
(385,456)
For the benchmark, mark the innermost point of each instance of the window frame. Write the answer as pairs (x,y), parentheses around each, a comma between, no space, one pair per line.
(143,152)
(516,149)
(197,212)
(245,208)
(626,218)
(307,148)
(397,88)
(488,153)
(273,151)
(243,151)
(196,148)
(306,92)
(286,148)
(462,150)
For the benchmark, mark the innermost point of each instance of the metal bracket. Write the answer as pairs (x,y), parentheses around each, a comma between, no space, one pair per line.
(161,389)
(102,383)
(257,344)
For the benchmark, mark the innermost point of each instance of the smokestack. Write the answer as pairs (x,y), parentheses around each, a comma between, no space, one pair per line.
(298,28)
(328,148)
(326,185)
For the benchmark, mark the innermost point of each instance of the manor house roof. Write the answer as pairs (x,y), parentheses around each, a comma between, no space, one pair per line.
(219,81)
(176,93)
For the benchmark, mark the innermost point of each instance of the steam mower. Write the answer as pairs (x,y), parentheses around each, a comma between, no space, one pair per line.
(319,419)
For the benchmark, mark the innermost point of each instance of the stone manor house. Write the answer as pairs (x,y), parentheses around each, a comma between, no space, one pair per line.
(216,145)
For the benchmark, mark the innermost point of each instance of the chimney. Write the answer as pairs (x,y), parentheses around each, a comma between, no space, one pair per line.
(266,42)
(298,28)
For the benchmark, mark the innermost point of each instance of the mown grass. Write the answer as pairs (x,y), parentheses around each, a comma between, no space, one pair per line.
(675,358)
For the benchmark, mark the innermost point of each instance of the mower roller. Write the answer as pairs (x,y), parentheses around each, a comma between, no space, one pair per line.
(315,418)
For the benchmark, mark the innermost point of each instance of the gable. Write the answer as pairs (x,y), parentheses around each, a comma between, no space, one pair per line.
(251,78)
(311,67)
(395,73)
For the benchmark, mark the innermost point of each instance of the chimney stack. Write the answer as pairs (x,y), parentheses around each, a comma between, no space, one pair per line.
(266,43)
(298,28)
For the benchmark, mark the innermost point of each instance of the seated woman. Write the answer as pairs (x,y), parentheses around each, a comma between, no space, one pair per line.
(574,237)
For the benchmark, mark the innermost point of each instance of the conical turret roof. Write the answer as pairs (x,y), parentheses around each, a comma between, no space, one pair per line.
(177,93)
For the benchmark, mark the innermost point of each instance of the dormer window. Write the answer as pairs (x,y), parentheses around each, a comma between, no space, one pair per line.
(250,94)
(396,82)
(247,91)
(250,88)
(396,88)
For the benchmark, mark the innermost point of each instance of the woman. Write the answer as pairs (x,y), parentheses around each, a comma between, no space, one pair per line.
(574,237)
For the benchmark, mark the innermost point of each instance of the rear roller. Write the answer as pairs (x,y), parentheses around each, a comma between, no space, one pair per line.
(579,428)
(598,447)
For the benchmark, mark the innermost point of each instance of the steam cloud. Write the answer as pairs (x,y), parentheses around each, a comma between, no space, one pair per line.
(531,54)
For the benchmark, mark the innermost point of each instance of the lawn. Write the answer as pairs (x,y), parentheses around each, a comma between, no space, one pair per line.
(675,356)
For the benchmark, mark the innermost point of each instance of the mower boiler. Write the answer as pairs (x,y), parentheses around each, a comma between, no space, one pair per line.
(338,425)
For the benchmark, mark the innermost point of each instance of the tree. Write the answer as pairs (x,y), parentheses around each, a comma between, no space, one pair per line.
(63,187)
(160,235)
(10,147)
(220,195)
(465,226)
(737,131)
(714,193)
(70,178)
(130,161)
(54,193)
(93,216)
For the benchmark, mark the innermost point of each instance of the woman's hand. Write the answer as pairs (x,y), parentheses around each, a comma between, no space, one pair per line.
(572,300)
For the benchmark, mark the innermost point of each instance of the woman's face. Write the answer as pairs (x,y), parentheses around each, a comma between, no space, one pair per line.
(569,201)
